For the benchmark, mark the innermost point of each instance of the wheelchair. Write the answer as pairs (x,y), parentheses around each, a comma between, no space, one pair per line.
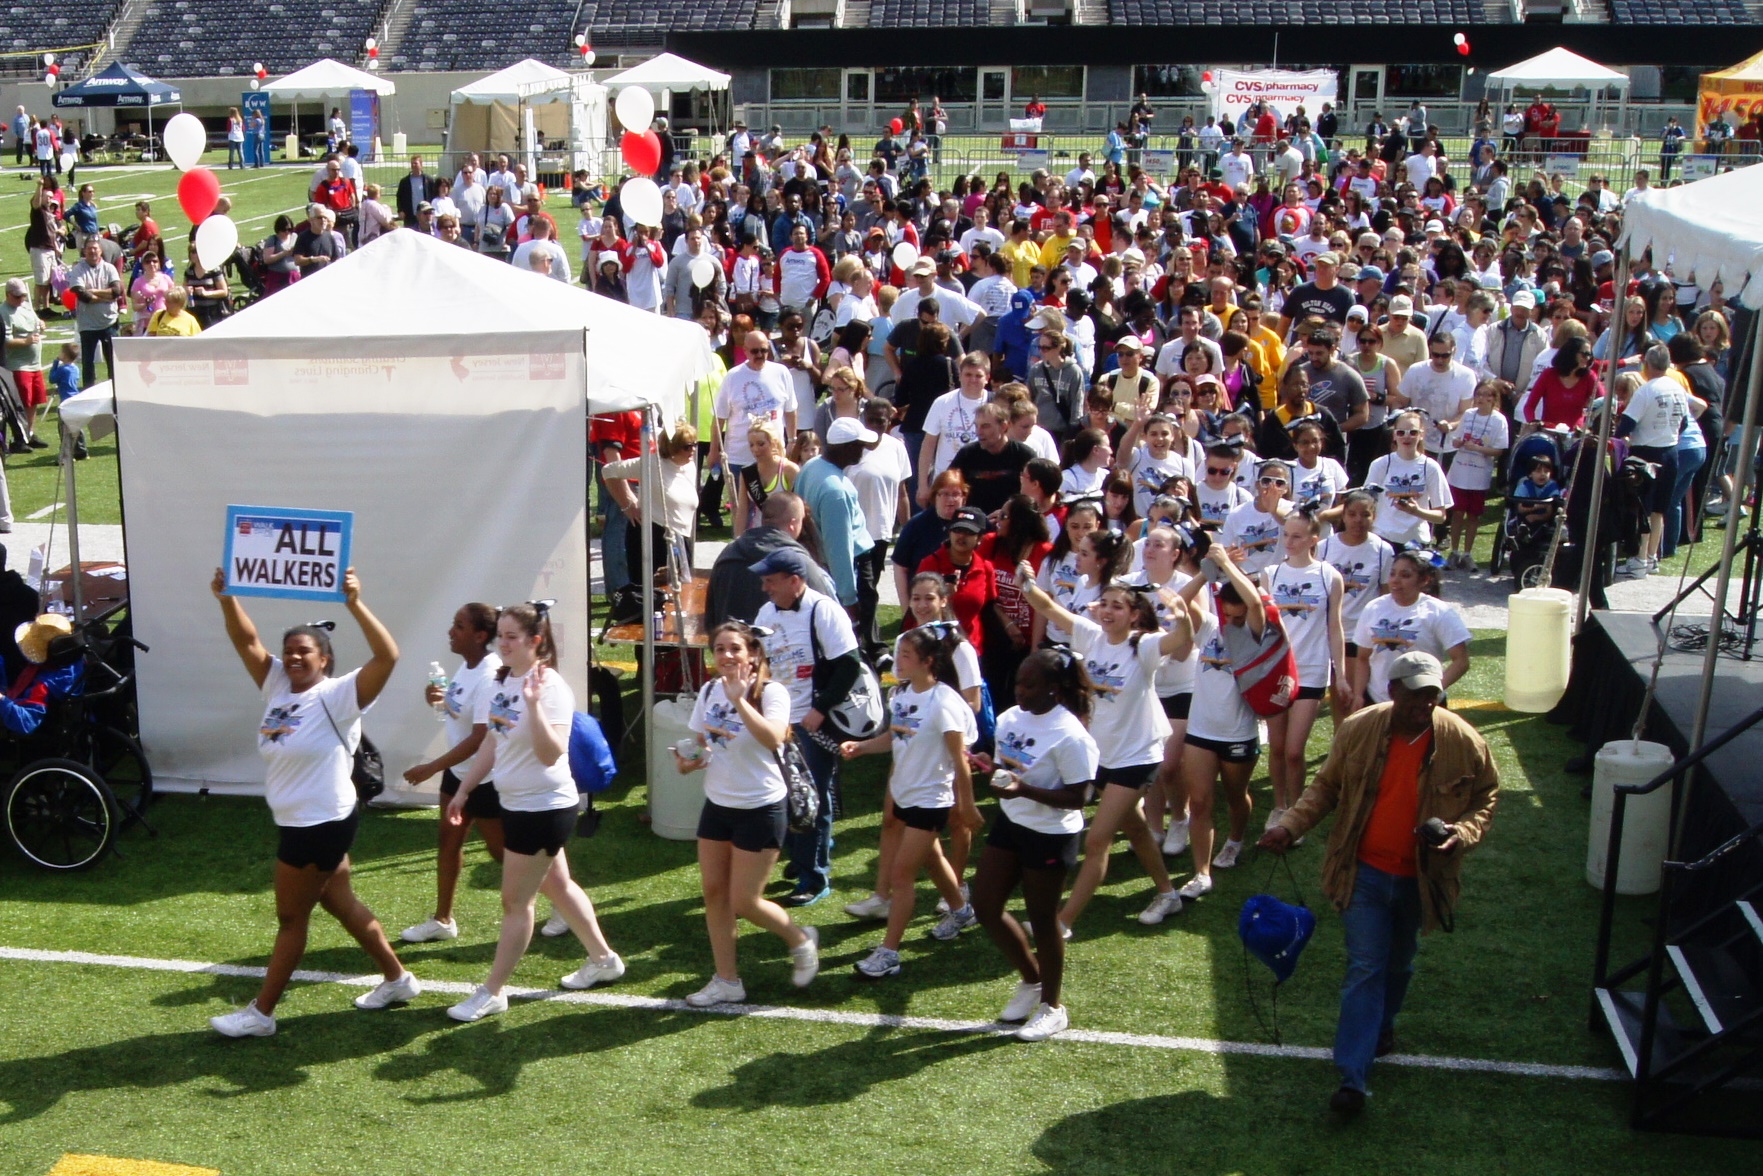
(81,780)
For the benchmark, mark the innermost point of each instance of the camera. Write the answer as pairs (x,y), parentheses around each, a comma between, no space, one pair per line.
(1434,832)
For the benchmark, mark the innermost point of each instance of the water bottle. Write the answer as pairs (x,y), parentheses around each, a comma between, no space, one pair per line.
(658,625)
(438,677)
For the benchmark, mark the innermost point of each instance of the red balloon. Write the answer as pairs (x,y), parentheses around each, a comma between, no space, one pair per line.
(642,151)
(374,52)
(69,299)
(1463,49)
(198,190)
(896,126)
(1206,76)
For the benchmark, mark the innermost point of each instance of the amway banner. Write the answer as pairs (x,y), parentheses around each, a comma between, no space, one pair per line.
(1237,90)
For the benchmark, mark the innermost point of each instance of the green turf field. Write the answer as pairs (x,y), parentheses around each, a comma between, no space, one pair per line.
(119,1061)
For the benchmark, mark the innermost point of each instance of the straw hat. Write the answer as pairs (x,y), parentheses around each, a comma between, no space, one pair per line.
(35,637)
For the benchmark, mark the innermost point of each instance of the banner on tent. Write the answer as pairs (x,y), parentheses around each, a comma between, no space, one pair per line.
(285,552)
(1235,91)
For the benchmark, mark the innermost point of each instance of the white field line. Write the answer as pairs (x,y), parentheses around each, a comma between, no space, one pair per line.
(154,198)
(617,1000)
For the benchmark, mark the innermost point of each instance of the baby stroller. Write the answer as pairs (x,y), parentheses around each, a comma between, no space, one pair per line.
(245,265)
(1527,525)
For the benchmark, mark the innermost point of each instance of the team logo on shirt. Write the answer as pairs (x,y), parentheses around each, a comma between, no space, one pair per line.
(1313,487)
(455,697)
(1355,576)
(722,723)
(1107,677)
(1261,536)
(1408,486)
(504,711)
(1302,598)
(906,719)
(281,722)
(1016,751)
(1392,634)
(1213,655)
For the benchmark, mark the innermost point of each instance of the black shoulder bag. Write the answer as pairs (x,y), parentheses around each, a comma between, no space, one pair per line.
(369,771)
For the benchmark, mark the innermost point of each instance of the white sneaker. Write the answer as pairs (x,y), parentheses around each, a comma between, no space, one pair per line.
(879,964)
(480,1004)
(590,973)
(954,923)
(1026,1001)
(247,1022)
(873,907)
(1161,908)
(1028,929)
(805,958)
(1175,842)
(555,926)
(1198,885)
(1469,564)
(1045,1023)
(1227,857)
(1635,567)
(430,930)
(943,903)
(718,991)
(390,992)
(1273,819)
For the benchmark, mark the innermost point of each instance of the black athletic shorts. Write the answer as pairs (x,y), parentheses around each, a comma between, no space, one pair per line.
(1352,651)
(1129,776)
(543,832)
(752,830)
(1311,693)
(934,820)
(1036,850)
(482,805)
(1175,706)
(1244,752)
(324,846)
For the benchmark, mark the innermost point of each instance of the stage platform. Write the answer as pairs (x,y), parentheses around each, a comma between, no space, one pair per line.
(1612,661)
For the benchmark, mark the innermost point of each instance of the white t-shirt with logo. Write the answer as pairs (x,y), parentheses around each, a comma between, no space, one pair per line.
(1070,589)
(1216,505)
(1173,677)
(1048,751)
(308,762)
(1364,569)
(1475,471)
(1218,711)
(953,421)
(1149,472)
(463,691)
(924,775)
(1659,410)
(746,396)
(524,784)
(1389,630)
(1420,481)
(790,647)
(1323,483)
(739,771)
(1301,595)
(1257,532)
(1128,722)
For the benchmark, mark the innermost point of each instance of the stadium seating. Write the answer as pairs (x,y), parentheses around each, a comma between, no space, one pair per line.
(1691,12)
(38,23)
(643,22)
(477,34)
(1296,12)
(198,38)
(953,14)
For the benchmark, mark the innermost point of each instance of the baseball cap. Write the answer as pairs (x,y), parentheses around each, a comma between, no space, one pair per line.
(1602,257)
(847,429)
(923,267)
(425,206)
(1418,670)
(1524,298)
(1370,271)
(788,561)
(1435,226)
(1328,257)
(1490,281)
(1401,304)
(1126,343)
(970,518)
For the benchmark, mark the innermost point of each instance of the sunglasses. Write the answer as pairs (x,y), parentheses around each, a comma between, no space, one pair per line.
(1441,354)
(758,351)
(1407,432)
(1274,482)
(1048,347)
(1215,472)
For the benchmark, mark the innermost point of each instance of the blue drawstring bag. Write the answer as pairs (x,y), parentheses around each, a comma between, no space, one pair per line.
(1275,933)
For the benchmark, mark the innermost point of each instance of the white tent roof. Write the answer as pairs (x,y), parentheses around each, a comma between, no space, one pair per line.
(527,81)
(1558,67)
(670,72)
(327,77)
(1709,230)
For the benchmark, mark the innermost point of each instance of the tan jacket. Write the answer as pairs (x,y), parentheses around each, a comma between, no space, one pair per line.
(1458,784)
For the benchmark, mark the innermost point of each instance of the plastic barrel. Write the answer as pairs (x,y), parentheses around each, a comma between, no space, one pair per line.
(1539,629)
(674,800)
(1645,821)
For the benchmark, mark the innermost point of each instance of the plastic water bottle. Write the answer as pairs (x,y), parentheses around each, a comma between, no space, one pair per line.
(438,677)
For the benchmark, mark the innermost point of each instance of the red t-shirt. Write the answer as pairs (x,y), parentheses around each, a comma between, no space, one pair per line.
(1388,841)
(1016,605)
(971,590)
(623,429)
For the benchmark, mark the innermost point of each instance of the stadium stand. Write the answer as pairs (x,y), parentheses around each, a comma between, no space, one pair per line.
(1690,12)
(198,38)
(629,22)
(477,34)
(953,14)
(41,25)
(1296,12)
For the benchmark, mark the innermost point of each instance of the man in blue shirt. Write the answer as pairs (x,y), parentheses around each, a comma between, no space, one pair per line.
(832,502)
(786,224)
(21,129)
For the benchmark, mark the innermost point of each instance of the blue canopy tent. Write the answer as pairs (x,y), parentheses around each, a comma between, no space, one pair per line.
(121,87)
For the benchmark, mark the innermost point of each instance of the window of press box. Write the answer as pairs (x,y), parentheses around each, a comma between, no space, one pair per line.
(1167,81)
(1047,81)
(1423,81)
(904,83)
(820,85)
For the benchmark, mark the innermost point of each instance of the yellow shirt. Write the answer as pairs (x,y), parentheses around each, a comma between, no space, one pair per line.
(183,324)
(1053,252)
(1023,257)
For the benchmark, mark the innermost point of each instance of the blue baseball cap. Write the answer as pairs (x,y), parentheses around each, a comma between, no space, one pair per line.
(786,560)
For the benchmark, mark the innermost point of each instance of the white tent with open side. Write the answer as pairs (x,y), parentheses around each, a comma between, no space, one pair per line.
(526,106)
(670,71)
(327,78)
(443,398)
(1560,68)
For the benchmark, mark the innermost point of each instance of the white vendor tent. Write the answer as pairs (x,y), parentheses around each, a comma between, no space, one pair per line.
(443,398)
(670,71)
(1560,68)
(526,106)
(327,78)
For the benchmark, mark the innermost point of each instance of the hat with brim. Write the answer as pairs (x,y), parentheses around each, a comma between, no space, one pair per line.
(1418,670)
(35,637)
(847,429)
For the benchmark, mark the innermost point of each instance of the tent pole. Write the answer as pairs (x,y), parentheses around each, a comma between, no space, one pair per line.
(1746,463)
(647,557)
(73,523)
(1591,549)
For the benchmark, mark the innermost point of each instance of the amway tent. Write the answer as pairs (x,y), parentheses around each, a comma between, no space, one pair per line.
(1736,93)
(442,397)
(122,88)
(525,105)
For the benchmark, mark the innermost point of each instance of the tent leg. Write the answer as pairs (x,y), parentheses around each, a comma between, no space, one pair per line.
(1589,552)
(647,555)
(73,521)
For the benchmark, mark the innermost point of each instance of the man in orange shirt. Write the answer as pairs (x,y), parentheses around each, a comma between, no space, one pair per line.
(1394,768)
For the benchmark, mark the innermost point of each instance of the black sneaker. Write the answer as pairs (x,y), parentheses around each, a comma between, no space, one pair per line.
(17,448)
(1347,1102)
(37,443)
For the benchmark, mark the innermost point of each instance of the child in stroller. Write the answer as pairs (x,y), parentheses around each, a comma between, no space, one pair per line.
(1533,511)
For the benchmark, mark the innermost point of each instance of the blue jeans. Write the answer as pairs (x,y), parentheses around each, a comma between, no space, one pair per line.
(914,440)
(811,853)
(614,565)
(1689,462)
(1382,925)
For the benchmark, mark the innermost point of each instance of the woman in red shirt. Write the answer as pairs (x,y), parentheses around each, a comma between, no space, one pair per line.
(1566,386)
(1021,535)
(972,585)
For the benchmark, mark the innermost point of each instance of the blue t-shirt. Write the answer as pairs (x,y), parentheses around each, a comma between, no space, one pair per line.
(64,377)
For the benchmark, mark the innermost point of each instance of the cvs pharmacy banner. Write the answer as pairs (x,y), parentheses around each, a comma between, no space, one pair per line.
(1235,91)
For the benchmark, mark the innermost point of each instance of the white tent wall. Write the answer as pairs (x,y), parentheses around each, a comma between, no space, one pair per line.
(462,457)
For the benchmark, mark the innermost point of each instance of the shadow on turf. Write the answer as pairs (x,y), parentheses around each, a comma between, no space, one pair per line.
(840,1072)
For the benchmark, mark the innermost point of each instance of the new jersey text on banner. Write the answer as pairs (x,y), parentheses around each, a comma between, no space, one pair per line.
(286,552)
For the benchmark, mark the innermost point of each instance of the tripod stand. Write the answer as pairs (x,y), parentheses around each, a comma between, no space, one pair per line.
(1735,631)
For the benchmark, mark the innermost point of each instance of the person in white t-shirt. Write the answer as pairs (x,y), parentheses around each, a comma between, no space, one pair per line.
(1478,441)
(1123,648)
(472,633)
(1307,593)
(310,729)
(1362,557)
(930,728)
(528,712)
(738,724)
(1047,762)
(1409,617)
(1255,527)
(952,422)
(759,389)
(1441,388)
(1413,495)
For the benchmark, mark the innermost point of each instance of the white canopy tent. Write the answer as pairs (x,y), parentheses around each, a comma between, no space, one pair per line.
(324,78)
(1559,69)
(441,396)
(525,105)
(668,74)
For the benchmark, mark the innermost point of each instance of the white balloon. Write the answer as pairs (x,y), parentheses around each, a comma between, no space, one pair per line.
(636,109)
(216,238)
(185,139)
(642,201)
(256,85)
(703,272)
(69,160)
(580,40)
(588,57)
(905,253)
(256,67)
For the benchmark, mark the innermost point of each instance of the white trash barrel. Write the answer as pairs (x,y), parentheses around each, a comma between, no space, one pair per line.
(674,800)
(1645,820)
(1539,649)
(400,145)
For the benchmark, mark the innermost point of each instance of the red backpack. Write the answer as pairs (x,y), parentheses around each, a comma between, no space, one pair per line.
(1266,669)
